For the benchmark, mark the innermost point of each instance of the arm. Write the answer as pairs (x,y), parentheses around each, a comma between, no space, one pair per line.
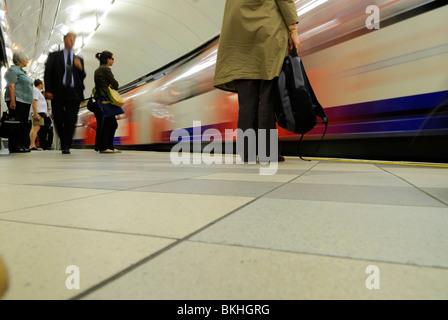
(35,115)
(79,64)
(12,95)
(111,79)
(106,78)
(48,76)
(289,13)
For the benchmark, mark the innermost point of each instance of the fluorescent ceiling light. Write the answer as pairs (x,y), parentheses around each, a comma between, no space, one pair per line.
(42,58)
(310,6)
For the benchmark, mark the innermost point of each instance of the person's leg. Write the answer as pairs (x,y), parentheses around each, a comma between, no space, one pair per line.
(42,134)
(22,114)
(266,118)
(99,129)
(58,118)
(68,127)
(12,140)
(106,133)
(50,136)
(248,99)
(33,136)
(111,134)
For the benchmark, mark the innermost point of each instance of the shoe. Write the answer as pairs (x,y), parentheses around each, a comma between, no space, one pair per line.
(18,151)
(107,151)
(281,159)
(117,151)
(36,149)
(66,151)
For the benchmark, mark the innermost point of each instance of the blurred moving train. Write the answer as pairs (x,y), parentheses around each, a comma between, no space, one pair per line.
(385,90)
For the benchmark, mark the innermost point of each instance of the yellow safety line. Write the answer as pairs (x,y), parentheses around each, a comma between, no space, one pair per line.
(417,164)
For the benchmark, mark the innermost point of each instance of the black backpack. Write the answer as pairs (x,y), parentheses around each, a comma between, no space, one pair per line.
(298,108)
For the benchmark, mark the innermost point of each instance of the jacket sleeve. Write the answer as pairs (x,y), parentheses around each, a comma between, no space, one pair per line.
(289,11)
(49,73)
(82,73)
(110,79)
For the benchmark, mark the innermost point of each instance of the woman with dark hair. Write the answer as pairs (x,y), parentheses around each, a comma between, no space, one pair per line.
(106,115)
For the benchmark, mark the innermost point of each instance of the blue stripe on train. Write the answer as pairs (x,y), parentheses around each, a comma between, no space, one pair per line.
(411,113)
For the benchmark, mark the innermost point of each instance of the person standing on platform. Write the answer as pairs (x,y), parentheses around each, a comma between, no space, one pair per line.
(46,132)
(105,115)
(255,38)
(18,98)
(64,84)
(38,114)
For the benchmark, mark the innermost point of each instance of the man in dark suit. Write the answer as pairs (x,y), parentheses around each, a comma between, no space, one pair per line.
(64,82)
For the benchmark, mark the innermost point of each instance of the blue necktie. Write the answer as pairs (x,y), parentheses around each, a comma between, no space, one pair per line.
(68,70)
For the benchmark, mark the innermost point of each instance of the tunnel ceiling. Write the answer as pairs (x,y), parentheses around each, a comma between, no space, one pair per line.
(144,35)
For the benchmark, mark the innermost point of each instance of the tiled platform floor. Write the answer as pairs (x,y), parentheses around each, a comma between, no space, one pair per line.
(138,227)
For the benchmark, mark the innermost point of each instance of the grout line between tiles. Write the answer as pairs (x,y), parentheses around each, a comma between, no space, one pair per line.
(175,244)
(321,255)
(411,184)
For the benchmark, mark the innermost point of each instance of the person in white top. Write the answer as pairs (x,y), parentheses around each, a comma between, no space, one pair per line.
(38,113)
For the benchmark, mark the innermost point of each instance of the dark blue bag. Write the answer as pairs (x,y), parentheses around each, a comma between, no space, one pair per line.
(109,110)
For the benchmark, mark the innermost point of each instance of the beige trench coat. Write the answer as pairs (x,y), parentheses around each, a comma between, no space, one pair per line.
(254,40)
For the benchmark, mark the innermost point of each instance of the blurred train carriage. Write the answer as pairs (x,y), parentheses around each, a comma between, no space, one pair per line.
(385,91)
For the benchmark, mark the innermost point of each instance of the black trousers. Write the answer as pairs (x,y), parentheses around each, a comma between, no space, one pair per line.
(99,115)
(105,131)
(65,112)
(21,137)
(110,125)
(257,100)
(45,134)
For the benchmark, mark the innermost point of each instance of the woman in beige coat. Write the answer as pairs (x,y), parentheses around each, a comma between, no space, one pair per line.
(255,38)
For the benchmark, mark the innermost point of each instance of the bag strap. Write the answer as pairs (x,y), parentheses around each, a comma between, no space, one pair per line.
(325,121)
(298,148)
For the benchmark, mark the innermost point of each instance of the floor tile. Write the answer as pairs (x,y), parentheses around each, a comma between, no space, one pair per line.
(214,187)
(351,178)
(401,234)
(158,214)
(214,272)
(406,196)
(255,176)
(140,227)
(422,177)
(16,197)
(37,258)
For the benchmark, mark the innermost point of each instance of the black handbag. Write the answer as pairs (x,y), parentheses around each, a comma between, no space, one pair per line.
(8,126)
(92,105)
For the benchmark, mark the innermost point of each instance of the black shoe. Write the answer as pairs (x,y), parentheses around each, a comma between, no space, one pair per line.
(17,151)
(65,151)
